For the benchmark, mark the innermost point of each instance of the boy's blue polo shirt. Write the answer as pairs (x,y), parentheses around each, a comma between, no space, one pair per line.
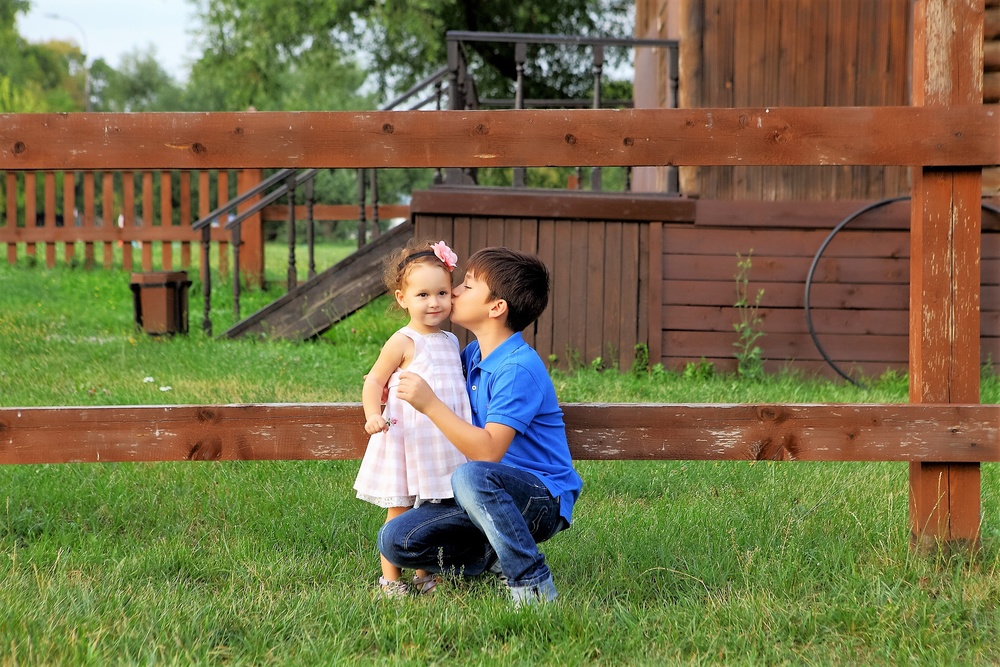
(512,387)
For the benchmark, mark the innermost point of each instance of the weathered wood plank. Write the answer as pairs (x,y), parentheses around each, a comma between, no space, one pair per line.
(943,136)
(905,432)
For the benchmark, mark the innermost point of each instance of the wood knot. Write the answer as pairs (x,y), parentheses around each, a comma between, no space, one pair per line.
(198,148)
(570,139)
(206,415)
(769,414)
(628,141)
(482,129)
(19,147)
(388,128)
(239,132)
(206,450)
(744,120)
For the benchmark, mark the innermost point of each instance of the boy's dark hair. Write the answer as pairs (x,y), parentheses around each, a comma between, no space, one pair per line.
(520,279)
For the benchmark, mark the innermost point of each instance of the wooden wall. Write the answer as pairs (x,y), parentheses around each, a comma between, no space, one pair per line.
(603,250)
(600,249)
(761,53)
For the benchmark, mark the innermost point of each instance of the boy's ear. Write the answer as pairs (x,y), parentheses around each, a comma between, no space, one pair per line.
(498,308)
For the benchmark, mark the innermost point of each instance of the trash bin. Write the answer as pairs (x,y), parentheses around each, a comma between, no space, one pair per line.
(160,301)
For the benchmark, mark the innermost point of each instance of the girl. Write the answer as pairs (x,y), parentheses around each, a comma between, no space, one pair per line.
(408,460)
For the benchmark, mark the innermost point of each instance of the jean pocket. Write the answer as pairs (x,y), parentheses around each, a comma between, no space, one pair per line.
(542,517)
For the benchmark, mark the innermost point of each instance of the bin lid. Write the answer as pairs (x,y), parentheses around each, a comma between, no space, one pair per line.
(159,277)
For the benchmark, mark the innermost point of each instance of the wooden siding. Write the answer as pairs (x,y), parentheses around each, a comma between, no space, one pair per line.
(757,53)
(859,301)
(600,250)
(859,296)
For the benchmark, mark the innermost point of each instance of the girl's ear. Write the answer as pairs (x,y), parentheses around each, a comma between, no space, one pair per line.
(399,299)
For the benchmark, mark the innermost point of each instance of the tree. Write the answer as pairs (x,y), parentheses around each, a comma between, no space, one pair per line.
(250,45)
(38,77)
(140,84)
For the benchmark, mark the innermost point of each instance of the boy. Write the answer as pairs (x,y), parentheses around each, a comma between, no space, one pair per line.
(519,486)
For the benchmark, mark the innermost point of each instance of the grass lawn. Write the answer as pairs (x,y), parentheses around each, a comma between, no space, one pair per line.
(257,563)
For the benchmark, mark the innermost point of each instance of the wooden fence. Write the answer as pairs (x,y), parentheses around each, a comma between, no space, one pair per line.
(906,432)
(59,210)
(139,218)
(948,135)
(659,271)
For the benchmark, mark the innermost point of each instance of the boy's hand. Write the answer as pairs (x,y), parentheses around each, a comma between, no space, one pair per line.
(414,390)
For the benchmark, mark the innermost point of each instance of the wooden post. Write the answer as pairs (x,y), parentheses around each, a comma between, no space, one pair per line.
(251,232)
(944,269)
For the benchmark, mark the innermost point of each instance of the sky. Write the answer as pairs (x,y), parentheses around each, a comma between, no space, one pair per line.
(110,28)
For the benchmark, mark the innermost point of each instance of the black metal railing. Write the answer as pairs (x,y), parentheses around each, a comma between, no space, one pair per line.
(461,94)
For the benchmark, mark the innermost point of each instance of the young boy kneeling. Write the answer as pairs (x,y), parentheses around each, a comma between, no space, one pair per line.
(519,486)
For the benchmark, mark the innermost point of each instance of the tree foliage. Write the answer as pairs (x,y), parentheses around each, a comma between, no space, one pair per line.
(252,47)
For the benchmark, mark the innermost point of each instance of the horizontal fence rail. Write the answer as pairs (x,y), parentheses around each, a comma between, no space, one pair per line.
(744,432)
(940,136)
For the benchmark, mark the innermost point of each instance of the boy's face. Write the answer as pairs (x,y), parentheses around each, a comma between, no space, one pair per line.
(470,302)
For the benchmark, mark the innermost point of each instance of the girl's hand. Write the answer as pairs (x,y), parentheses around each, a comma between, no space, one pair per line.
(376,424)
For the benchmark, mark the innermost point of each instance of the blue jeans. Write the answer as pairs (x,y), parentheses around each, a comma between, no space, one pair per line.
(499,514)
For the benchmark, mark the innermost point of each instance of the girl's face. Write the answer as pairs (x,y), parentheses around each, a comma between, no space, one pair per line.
(426,296)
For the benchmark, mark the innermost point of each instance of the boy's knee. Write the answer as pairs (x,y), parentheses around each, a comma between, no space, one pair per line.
(467,479)
(387,541)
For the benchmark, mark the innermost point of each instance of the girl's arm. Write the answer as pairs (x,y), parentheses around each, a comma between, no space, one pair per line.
(396,353)
(478,444)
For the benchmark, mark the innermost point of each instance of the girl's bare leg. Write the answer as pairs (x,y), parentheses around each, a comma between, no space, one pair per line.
(389,571)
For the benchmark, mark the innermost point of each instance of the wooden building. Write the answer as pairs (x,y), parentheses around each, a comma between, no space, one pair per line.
(682,287)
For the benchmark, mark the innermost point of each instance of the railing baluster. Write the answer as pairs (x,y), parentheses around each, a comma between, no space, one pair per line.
(362,224)
(595,172)
(520,55)
(292,277)
(236,271)
(206,278)
(311,228)
(375,228)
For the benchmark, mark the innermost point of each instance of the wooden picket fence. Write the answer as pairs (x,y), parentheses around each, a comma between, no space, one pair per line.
(112,215)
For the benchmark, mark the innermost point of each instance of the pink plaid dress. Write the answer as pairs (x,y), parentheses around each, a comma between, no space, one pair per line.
(412,462)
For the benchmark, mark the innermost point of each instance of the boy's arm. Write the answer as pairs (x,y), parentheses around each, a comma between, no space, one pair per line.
(478,444)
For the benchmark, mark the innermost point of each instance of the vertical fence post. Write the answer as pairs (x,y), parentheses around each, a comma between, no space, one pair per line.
(251,231)
(945,224)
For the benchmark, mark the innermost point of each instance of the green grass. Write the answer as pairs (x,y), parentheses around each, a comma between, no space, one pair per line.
(257,563)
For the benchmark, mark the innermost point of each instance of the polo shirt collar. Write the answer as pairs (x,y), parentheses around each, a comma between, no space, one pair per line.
(497,356)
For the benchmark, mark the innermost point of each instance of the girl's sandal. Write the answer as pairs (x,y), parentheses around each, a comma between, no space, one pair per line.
(392,589)
(426,584)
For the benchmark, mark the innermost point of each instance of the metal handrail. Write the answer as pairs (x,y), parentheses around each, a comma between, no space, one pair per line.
(300,178)
(240,198)
(536,38)
(461,91)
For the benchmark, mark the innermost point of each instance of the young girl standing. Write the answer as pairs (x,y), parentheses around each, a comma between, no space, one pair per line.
(409,461)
